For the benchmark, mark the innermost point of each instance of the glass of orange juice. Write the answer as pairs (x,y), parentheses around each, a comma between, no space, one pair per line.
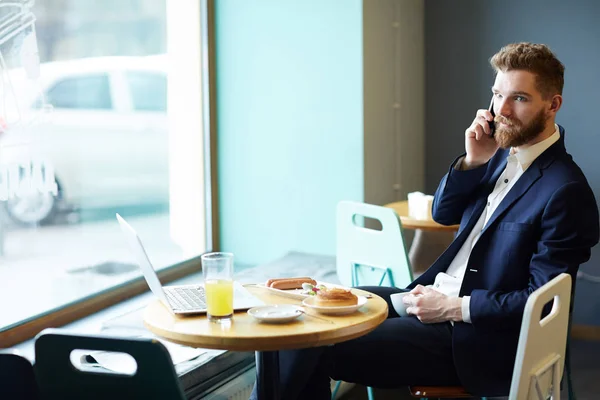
(217,269)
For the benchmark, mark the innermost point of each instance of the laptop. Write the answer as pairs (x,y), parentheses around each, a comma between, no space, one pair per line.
(183,299)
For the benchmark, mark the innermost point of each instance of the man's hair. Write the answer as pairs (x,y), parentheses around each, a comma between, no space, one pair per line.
(535,58)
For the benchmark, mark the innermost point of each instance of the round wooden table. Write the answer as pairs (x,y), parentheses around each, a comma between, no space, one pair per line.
(248,334)
(430,240)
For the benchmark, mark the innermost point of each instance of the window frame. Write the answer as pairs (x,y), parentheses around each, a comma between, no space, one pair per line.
(29,328)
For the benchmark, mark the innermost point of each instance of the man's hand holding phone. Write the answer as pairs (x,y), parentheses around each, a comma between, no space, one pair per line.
(479,139)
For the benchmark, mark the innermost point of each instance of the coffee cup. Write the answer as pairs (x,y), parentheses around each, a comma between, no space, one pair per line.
(398,304)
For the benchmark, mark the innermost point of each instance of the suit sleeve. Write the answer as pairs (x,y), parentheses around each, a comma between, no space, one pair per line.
(568,231)
(454,193)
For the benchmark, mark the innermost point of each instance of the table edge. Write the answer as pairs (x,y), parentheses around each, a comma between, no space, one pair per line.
(249,344)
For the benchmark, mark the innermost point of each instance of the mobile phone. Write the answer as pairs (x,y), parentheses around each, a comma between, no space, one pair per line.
(491,123)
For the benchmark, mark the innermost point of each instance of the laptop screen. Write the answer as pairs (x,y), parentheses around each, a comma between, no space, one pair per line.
(143,260)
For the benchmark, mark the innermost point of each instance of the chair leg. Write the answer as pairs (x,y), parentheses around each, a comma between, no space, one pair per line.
(335,390)
(568,370)
(370,393)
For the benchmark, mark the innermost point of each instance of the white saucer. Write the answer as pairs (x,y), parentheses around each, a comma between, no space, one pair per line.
(309,302)
(277,313)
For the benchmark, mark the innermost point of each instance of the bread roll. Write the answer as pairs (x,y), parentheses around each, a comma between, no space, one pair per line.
(335,297)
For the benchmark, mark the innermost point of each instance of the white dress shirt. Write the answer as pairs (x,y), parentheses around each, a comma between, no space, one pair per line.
(449,282)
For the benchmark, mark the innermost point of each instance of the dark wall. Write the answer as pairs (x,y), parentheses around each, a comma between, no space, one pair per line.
(461,36)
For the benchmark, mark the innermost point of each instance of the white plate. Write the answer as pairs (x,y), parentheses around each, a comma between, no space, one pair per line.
(309,302)
(277,313)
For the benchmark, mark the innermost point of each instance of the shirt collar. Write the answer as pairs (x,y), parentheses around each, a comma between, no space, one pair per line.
(526,156)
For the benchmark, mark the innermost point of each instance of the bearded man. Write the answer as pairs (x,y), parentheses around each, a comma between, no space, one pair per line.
(526,214)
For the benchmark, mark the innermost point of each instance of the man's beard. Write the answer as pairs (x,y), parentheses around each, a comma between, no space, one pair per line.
(514,134)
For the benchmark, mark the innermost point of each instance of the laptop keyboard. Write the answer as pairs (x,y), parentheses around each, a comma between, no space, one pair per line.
(182,298)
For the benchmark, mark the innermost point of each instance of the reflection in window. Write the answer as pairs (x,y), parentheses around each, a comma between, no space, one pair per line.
(148,91)
(82,92)
(137,164)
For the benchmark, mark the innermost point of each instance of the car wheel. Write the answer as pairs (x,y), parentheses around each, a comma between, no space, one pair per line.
(36,209)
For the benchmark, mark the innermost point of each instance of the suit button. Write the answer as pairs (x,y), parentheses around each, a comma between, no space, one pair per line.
(506,181)
(488,204)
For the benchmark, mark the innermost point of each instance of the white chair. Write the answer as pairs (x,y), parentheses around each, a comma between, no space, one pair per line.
(541,353)
(366,256)
(540,356)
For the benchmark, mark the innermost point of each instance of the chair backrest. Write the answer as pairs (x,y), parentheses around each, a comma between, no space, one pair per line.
(368,256)
(17,380)
(542,342)
(58,378)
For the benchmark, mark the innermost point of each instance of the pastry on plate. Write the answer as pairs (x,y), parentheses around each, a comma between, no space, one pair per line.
(335,297)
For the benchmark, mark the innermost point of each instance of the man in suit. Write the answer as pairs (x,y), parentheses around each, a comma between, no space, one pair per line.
(526,214)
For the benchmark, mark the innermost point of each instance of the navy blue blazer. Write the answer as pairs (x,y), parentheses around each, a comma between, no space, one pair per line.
(546,225)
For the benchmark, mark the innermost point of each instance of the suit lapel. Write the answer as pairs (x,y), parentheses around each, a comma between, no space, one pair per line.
(442,263)
(528,178)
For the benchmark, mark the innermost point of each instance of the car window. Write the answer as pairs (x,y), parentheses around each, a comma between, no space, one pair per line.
(148,90)
(81,92)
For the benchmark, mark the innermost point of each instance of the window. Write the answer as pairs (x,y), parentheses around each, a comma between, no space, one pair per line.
(148,91)
(85,92)
(65,173)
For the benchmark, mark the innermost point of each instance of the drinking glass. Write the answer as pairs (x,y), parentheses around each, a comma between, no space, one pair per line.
(217,269)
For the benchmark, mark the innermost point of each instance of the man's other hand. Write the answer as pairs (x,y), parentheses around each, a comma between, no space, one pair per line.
(431,306)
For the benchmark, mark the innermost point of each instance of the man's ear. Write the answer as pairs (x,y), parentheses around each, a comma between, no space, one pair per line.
(556,103)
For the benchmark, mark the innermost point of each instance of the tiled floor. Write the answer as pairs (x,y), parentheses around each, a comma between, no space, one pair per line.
(586,376)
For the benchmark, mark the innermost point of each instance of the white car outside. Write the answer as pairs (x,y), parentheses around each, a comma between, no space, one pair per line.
(106,137)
